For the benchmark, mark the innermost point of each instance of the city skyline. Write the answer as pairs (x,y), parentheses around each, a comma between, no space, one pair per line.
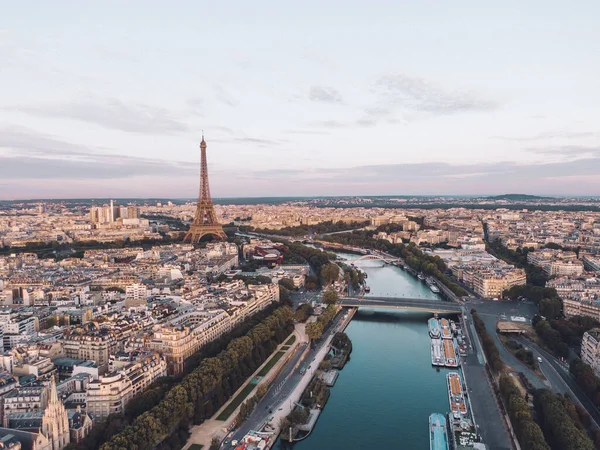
(110,100)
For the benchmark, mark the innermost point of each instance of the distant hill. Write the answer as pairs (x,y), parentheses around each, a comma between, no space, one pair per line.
(517,197)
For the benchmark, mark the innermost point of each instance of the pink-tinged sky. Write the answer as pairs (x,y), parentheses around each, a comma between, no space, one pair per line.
(108,99)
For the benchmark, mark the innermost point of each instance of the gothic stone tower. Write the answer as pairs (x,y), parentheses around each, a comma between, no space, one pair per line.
(55,423)
(205,221)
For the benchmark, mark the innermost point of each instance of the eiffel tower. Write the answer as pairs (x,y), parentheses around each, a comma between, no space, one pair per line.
(205,221)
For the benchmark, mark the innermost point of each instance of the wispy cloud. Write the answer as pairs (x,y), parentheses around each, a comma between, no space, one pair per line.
(110,113)
(507,174)
(403,91)
(324,94)
(225,96)
(251,140)
(25,154)
(551,135)
(328,124)
(567,151)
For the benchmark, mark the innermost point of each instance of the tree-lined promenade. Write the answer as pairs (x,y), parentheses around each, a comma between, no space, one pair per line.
(202,392)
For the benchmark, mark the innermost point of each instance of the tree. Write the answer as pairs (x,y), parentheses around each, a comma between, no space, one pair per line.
(314,330)
(330,273)
(550,307)
(215,443)
(303,312)
(288,284)
(330,297)
(312,282)
(325,365)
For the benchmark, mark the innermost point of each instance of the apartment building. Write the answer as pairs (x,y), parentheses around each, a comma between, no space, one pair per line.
(24,399)
(185,335)
(96,347)
(590,349)
(130,376)
(108,395)
(556,262)
(589,307)
(135,295)
(490,281)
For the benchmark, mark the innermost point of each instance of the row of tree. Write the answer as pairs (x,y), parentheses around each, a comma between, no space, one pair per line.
(586,379)
(489,346)
(202,392)
(560,334)
(551,337)
(352,276)
(320,261)
(518,257)
(528,432)
(548,301)
(561,421)
(146,400)
(248,406)
(314,330)
(319,228)
(410,253)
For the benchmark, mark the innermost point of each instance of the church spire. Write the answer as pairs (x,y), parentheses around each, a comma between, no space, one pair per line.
(53,394)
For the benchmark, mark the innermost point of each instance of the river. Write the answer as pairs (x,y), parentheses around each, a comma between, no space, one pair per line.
(384,395)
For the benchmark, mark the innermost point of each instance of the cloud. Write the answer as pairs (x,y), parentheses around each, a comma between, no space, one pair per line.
(366,123)
(111,113)
(308,132)
(29,155)
(329,124)
(567,151)
(550,135)
(28,141)
(225,97)
(251,140)
(324,94)
(403,91)
(447,177)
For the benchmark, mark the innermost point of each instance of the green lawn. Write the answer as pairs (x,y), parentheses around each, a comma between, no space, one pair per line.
(196,447)
(269,365)
(285,348)
(236,402)
(291,340)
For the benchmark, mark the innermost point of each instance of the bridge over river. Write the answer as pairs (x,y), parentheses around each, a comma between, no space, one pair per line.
(418,304)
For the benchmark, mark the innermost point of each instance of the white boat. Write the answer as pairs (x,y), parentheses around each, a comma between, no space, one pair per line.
(437,353)
(434,328)
(434,288)
(458,406)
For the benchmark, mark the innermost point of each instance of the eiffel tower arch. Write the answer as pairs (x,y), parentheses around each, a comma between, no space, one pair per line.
(205,220)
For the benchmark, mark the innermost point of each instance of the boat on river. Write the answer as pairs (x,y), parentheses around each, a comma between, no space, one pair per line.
(437,353)
(446,333)
(458,406)
(450,353)
(438,433)
(434,289)
(434,328)
(421,277)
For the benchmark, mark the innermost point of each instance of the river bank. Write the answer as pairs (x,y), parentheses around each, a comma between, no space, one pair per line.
(388,388)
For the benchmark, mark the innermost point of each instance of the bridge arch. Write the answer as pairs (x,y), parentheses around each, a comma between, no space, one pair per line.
(373,258)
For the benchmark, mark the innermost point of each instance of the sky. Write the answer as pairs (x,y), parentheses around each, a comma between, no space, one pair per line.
(110,98)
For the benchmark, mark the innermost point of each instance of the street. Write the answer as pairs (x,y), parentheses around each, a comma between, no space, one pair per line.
(283,385)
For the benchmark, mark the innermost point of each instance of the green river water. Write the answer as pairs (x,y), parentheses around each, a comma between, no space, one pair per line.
(384,395)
